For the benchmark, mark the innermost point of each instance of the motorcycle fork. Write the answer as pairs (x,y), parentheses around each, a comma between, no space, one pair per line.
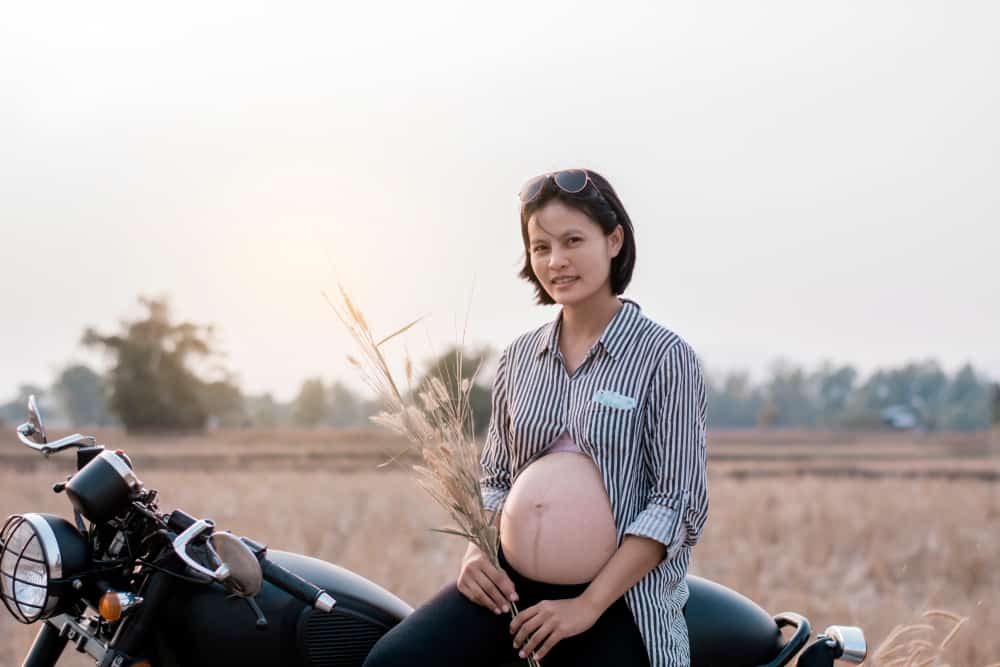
(47,648)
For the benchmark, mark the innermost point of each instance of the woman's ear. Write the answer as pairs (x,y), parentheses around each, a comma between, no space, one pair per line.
(617,240)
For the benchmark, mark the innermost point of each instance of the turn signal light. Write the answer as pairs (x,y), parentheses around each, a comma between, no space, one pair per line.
(110,607)
(113,605)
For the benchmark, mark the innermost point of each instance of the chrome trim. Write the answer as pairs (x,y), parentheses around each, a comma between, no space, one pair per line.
(66,624)
(50,545)
(850,640)
(35,420)
(180,543)
(126,473)
(53,559)
(127,601)
(51,448)
(325,602)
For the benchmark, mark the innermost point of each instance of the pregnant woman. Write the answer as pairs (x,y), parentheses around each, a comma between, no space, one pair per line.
(594,458)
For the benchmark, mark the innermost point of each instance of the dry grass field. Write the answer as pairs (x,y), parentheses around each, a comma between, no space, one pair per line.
(859,530)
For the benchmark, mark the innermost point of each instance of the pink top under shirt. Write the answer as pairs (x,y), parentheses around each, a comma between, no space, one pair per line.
(564,443)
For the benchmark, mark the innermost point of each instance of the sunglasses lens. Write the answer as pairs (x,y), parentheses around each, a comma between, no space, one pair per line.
(572,180)
(531,189)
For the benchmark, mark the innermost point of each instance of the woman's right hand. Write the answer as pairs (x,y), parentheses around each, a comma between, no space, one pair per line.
(484,584)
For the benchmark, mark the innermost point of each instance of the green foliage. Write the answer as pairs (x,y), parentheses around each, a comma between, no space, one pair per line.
(151,384)
(445,367)
(224,403)
(735,402)
(264,411)
(310,408)
(832,397)
(768,415)
(16,411)
(995,404)
(345,409)
(80,391)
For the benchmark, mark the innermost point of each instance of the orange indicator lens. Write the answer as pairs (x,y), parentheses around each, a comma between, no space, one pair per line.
(110,606)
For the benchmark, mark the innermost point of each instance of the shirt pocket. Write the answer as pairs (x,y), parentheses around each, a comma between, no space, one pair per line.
(609,428)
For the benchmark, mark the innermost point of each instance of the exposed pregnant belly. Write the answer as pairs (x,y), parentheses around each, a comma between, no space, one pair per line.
(556,525)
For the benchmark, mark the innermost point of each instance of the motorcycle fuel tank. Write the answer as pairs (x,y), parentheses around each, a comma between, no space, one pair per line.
(201,626)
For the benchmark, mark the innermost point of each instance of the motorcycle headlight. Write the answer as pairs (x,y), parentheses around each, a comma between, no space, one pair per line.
(39,555)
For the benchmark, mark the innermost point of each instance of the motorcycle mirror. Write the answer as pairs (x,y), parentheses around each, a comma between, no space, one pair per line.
(246,577)
(32,433)
(37,435)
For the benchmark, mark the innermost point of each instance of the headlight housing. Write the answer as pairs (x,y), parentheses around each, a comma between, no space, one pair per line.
(104,488)
(39,555)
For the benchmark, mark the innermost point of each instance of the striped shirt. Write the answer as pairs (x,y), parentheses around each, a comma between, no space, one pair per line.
(637,407)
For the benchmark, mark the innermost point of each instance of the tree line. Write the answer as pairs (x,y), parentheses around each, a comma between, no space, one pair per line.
(165,376)
(917,395)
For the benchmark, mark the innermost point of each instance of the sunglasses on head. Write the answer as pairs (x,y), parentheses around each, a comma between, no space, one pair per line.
(572,181)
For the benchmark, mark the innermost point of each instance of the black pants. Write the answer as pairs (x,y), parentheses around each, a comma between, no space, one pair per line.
(452,631)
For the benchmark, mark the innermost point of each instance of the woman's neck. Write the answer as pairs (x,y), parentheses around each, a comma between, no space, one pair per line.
(587,321)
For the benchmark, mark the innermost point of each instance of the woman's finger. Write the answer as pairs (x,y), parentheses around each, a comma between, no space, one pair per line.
(497,601)
(528,626)
(474,592)
(502,581)
(522,617)
(551,641)
(540,635)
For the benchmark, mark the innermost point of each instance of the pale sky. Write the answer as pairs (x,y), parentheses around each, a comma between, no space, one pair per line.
(807,180)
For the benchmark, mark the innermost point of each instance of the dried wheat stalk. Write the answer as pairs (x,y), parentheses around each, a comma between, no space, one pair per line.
(439,428)
(893,653)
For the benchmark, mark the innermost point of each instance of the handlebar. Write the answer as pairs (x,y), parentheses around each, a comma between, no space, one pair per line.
(277,575)
(26,430)
(292,583)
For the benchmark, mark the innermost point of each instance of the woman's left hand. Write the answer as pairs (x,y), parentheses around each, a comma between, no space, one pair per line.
(540,627)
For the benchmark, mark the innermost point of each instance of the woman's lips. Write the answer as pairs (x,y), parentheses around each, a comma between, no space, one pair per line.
(564,285)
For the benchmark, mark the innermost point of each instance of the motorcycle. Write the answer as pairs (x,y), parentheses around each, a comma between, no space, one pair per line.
(128,584)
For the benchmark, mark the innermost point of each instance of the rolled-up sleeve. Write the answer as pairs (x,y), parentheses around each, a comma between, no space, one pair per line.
(495,460)
(674,453)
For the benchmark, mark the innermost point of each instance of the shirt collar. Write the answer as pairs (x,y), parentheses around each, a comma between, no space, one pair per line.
(611,340)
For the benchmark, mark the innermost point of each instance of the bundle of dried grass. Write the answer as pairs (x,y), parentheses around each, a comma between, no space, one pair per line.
(911,645)
(440,429)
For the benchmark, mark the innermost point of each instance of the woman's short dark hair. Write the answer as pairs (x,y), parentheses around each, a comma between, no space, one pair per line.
(603,207)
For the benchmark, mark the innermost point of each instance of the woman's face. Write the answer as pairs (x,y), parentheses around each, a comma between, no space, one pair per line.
(564,242)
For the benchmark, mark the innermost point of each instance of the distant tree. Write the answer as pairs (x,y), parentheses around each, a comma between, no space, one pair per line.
(223,402)
(310,406)
(834,387)
(80,391)
(345,408)
(733,401)
(768,415)
(265,412)
(152,386)
(995,404)
(16,411)
(792,396)
(917,387)
(445,367)
(967,402)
